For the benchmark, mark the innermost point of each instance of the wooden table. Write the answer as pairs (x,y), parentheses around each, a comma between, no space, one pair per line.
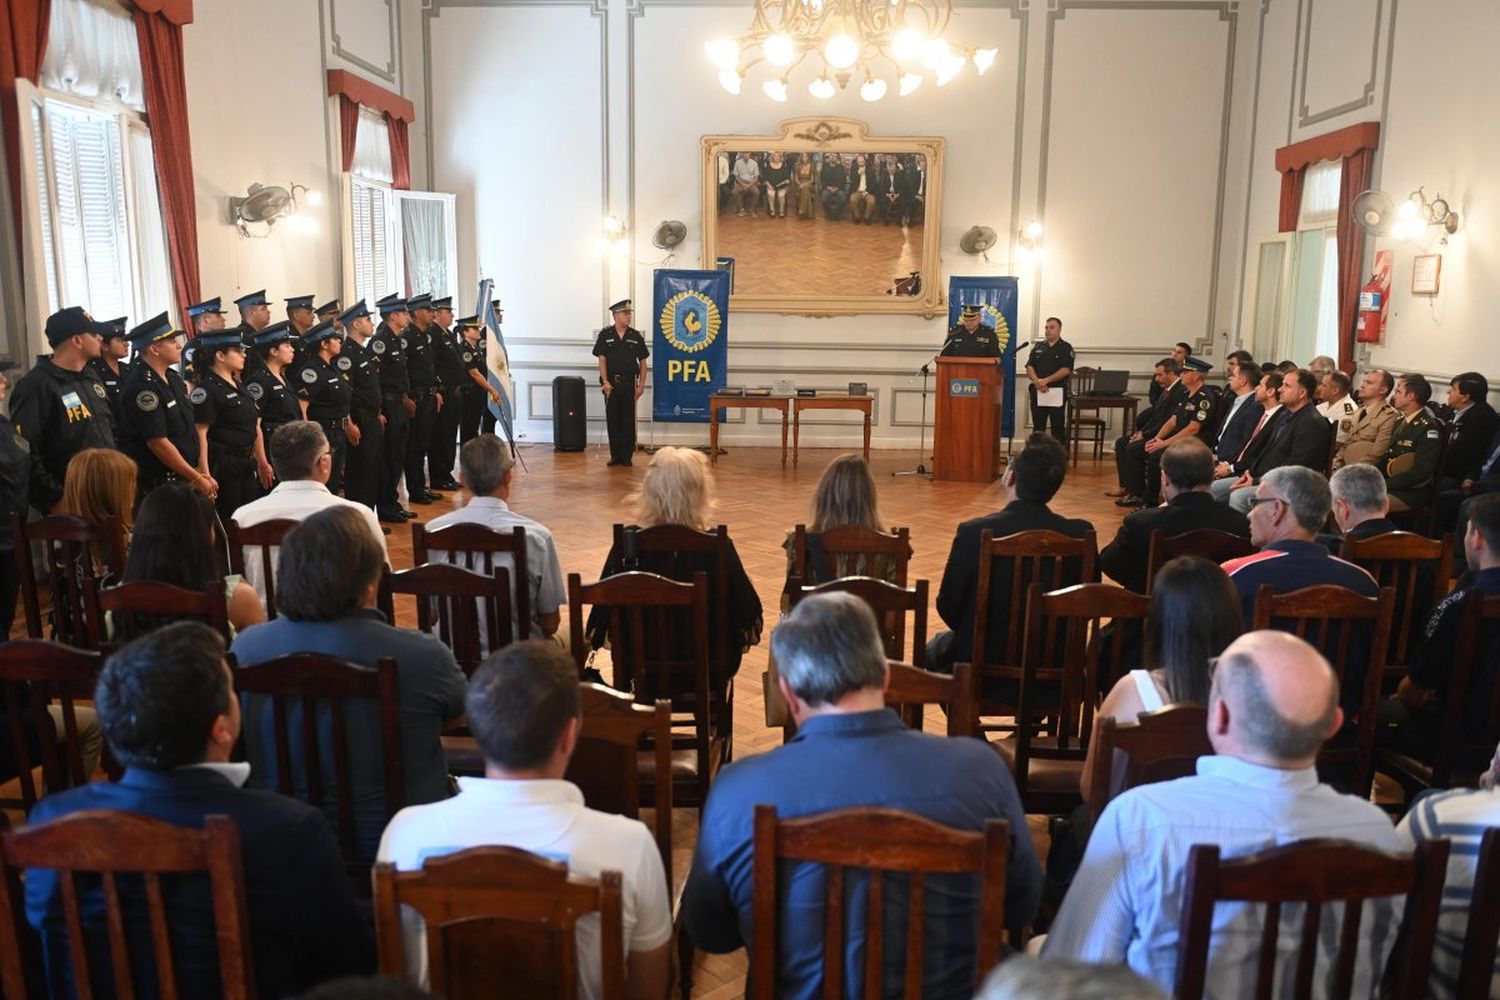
(718,401)
(865,404)
(1125,404)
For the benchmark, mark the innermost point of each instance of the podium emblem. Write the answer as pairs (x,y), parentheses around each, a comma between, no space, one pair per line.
(963,387)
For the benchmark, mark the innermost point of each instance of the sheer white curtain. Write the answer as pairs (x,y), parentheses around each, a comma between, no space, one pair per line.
(425,243)
(155,292)
(372,148)
(92,53)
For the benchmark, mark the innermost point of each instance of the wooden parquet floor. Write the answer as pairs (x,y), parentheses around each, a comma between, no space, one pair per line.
(793,256)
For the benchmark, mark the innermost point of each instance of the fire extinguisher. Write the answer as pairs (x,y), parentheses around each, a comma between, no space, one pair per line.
(1370,299)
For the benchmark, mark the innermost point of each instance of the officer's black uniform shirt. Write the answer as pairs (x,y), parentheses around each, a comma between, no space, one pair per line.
(982,343)
(59,413)
(390,348)
(419,370)
(622,353)
(1045,359)
(325,388)
(276,400)
(447,361)
(153,407)
(111,381)
(364,375)
(1197,407)
(472,356)
(228,410)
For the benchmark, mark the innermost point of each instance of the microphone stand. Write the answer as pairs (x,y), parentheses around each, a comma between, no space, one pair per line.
(921,469)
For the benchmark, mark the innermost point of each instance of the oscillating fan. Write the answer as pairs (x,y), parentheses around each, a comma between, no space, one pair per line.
(261,204)
(977,240)
(1375,212)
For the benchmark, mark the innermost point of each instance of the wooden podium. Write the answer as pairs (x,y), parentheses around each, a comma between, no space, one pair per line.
(966,432)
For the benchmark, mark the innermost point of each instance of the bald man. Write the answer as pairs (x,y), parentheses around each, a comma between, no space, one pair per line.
(1273,702)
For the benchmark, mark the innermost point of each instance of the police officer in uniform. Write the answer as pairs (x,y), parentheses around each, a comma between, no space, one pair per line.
(366,427)
(267,382)
(329,312)
(60,407)
(1191,417)
(453,383)
(622,354)
(110,364)
(255,313)
(389,346)
(322,382)
(157,429)
(1412,460)
(479,392)
(228,423)
(422,387)
(968,338)
(1048,367)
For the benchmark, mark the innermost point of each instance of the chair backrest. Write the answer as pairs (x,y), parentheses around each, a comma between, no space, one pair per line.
(1158,746)
(1049,558)
(75,551)
(480,549)
(1314,873)
(874,843)
(264,539)
(134,609)
(911,689)
(33,674)
(1081,382)
(677,552)
(500,922)
(1330,618)
(857,548)
(606,762)
(112,844)
(1402,560)
(1477,968)
(891,604)
(469,611)
(1473,694)
(323,686)
(1210,543)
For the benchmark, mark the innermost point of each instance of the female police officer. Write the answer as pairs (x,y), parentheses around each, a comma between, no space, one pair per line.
(228,422)
(325,392)
(267,383)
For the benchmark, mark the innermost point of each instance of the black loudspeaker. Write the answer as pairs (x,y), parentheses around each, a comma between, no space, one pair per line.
(569,420)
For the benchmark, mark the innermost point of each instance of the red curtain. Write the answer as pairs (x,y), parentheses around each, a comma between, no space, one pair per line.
(1291,199)
(1351,246)
(400,152)
(348,128)
(23,46)
(166,108)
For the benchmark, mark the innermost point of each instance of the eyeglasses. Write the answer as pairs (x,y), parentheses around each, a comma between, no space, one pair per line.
(1257,501)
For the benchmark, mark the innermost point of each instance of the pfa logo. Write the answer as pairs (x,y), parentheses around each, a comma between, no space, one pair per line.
(690,321)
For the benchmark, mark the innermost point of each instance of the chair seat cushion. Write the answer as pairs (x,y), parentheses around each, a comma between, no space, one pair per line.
(684,761)
(1043,774)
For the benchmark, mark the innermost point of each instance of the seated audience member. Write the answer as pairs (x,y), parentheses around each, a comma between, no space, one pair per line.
(1454,505)
(327,579)
(1273,703)
(1024,977)
(1360,503)
(1299,438)
(746,185)
(1191,418)
(1474,423)
(1291,503)
(1411,720)
(679,490)
(1228,470)
(1239,411)
(850,752)
(1335,403)
(1369,437)
(303,463)
(1321,365)
(844,498)
(1461,817)
(486,468)
(177,540)
(833,186)
(1187,469)
(1412,460)
(1286,367)
(171,719)
(1167,393)
(99,487)
(1030,482)
(523,707)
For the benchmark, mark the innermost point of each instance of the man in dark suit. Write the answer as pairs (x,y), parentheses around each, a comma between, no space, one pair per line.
(1164,405)
(170,715)
(1268,402)
(1031,480)
(1474,423)
(1187,468)
(1302,438)
(1454,505)
(1238,412)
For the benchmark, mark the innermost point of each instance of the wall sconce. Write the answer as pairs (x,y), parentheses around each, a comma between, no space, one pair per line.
(257,213)
(614,238)
(1029,242)
(1416,212)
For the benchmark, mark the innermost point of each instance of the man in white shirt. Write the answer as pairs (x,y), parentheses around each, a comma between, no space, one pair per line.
(303,462)
(486,468)
(1335,403)
(523,708)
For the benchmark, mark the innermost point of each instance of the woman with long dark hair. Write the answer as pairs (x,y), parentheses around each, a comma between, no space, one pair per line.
(266,381)
(228,422)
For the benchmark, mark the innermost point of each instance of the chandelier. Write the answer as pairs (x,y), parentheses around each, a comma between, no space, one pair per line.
(847,40)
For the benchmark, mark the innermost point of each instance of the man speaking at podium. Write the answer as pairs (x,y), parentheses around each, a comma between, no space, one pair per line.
(968,338)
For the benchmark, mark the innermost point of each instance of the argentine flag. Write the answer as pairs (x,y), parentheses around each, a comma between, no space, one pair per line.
(497,363)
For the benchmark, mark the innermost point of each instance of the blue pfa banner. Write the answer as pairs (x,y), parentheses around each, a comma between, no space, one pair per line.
(997,298)
(689,342)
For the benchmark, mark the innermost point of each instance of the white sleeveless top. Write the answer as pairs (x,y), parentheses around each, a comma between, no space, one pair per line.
(1146,690)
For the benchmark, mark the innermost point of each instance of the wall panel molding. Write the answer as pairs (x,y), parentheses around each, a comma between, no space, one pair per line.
(389,72)
(1366,97)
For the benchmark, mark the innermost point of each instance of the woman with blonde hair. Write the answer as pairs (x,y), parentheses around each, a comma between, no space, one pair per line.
(99,487)
(845,498)
(678,490)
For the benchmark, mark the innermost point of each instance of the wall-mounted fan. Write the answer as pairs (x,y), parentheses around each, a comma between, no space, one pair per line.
(264,205)
(978,240)
(1375,212)
(668,235)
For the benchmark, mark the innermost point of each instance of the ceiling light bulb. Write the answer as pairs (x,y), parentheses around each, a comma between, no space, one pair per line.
(1033,229)
(822,88)
(873,90)
(909,83)
(984,59)
(775,90)
(723,53)
(841,51)
(780,50)
(950,68)
(935,53)
(730,80)
(906,44)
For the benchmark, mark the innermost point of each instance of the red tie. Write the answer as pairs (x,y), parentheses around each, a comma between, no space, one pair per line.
(1258,426)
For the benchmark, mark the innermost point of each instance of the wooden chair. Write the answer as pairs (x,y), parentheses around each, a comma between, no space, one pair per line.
(660,649)
(135,609)
(1402,560)
(1422,517)
(317,686)
(33,674)
(1158,746)
(480,550)
(500,922)
(264,538)
(75,551)
(1068,649)
(1477,968)
(1210,543)
(1326,616)
(891,604)
(1314,873)
(470,612)
(860,544)
(112,844)
(911,689)
(1049,558)
(1082,384)
(873,843)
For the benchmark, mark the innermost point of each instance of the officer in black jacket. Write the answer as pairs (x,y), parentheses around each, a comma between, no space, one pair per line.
(454,384)
(389,347)
(969,338)
(17,465)
(110,364)
(60,407)
(323,386)
(228,421)
(268,382)
(157,426)
(366,433)
(622,354)
(422,382)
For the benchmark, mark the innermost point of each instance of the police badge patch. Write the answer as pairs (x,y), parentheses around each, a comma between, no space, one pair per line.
(468,357)
(198,396)
(99,390)
(256,390)
(343,364)
(146,401)
(309,376)
(378,346)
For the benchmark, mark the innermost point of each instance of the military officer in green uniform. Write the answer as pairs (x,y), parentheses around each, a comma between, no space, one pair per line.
(969,338)
(622,354)
(1412,460)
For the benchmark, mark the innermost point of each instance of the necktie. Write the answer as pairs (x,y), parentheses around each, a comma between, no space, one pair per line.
(1263,417)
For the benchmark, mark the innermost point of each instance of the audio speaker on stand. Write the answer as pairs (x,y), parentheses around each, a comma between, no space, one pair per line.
(569,419)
